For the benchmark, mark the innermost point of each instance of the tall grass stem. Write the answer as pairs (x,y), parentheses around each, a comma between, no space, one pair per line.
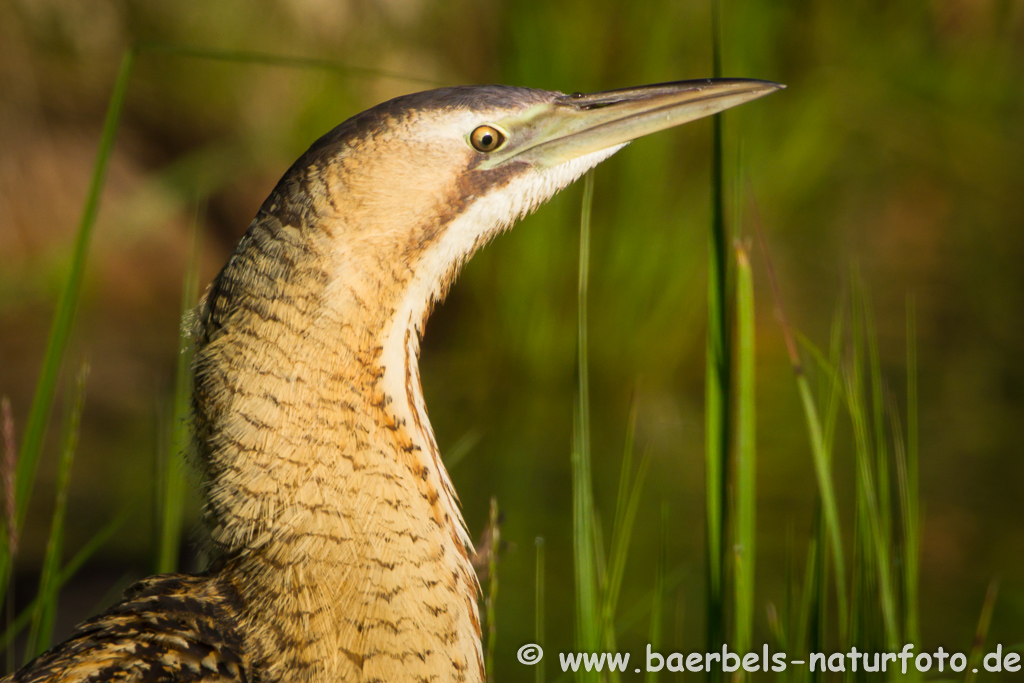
(717,379)
(173,475)
(45,614)
(60,330)
(588,610)
(744,522)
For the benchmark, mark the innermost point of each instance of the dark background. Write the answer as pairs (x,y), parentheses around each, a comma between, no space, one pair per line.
(897,149)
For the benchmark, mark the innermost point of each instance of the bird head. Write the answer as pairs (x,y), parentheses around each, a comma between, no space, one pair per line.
(425,179)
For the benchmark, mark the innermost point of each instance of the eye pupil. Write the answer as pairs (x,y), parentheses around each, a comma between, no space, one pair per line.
(486,139)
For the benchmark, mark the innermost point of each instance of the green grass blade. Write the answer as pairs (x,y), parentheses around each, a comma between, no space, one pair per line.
(814,618)
(174,473)
(625,471)
(717,380)
(776,629)
(879,551)
(909,489)
(875,539)
(56,345)
(834,384)
(981,632)
(881,465)
(906,550)
(782,622)
(744,529)
(654,634)
(588,610)
(19,623)
(862,623)
(626,508)
(826,489)
(44,615)
(784,618)
(620,548)
(811,629)
(813,626)
(538,608)
(878,425)
(819,635)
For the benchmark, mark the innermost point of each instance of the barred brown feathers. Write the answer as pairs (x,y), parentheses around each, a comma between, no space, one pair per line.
(167,628)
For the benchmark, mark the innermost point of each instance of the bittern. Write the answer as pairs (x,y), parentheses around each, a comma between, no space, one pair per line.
(341,551)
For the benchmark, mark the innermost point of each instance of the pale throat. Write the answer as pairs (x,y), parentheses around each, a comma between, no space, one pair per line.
(432,274)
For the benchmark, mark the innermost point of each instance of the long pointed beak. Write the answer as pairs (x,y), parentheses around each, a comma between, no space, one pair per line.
(575,125)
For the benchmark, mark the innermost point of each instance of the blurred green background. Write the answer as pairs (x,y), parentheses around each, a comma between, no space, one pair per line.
(897,149)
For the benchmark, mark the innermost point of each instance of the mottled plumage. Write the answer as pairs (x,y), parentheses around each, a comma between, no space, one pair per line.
(166,628)
(342,554)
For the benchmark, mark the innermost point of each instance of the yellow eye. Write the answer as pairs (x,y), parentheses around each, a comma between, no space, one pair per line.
(486,139)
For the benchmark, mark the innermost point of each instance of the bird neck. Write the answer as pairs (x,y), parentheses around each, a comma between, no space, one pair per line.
(325,490)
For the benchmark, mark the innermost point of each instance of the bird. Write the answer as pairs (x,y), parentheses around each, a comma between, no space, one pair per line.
(340,549)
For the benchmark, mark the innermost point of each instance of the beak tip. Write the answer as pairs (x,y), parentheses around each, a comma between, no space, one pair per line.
(766,88)
(771,86)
